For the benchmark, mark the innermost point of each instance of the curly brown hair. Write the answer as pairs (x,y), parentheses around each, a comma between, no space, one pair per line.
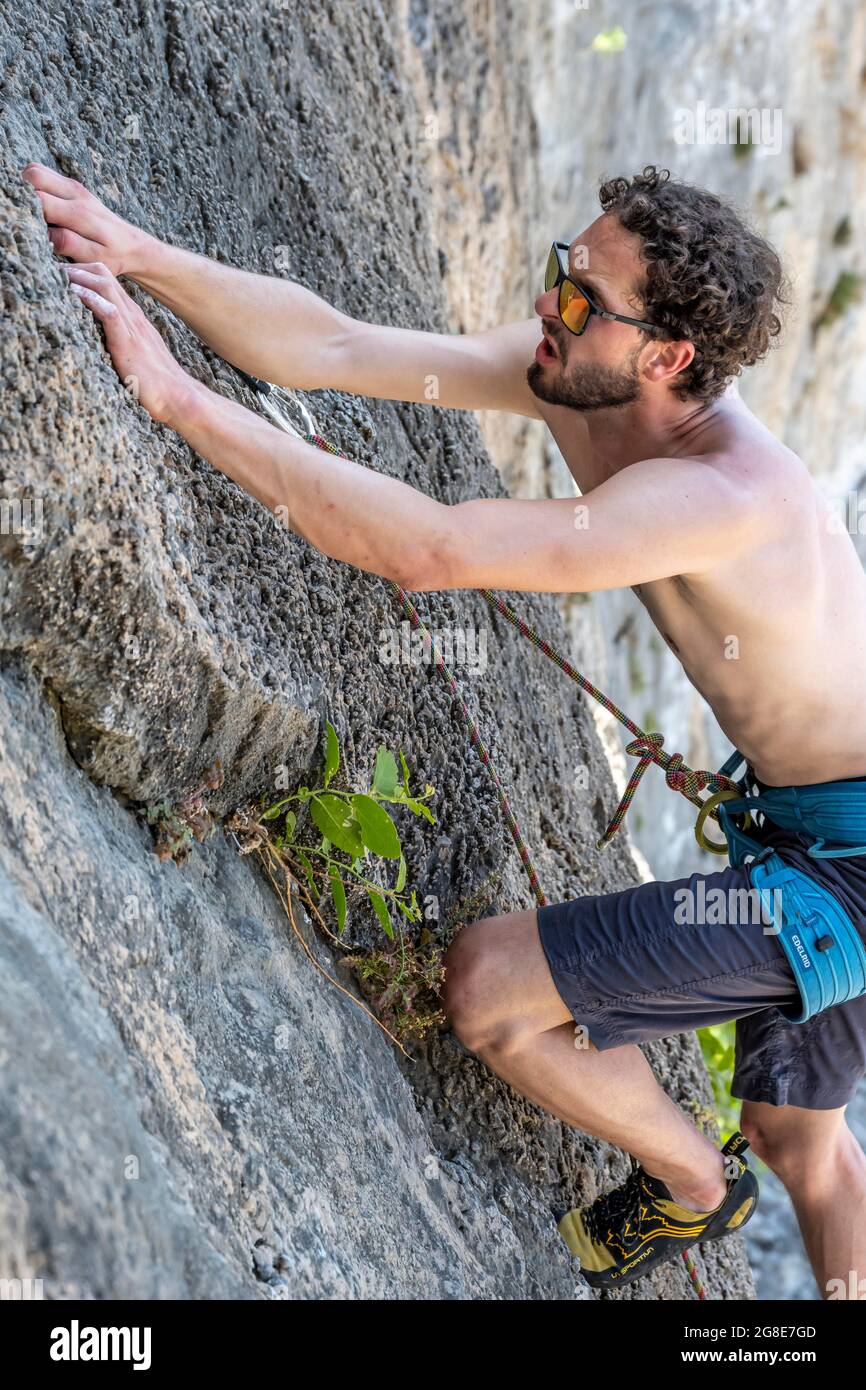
(709,278)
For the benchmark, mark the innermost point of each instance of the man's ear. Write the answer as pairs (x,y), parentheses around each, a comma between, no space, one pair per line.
(667,359)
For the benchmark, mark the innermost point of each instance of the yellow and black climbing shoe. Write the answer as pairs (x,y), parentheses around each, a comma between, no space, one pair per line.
(625,1233)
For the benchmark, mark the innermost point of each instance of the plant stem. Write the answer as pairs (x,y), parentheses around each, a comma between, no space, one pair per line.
(286,900)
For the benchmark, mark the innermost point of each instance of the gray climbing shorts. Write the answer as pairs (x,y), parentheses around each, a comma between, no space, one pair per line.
(663,958)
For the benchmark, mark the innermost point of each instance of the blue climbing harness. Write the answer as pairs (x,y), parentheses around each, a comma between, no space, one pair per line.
(826,951)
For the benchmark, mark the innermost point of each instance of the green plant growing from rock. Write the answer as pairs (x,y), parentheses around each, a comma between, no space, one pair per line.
(743,142)
(717,1044)
(353,825)
(843,231)
(610,40)
(321,841)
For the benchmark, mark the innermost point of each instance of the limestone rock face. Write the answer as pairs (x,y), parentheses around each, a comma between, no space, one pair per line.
(187,1108)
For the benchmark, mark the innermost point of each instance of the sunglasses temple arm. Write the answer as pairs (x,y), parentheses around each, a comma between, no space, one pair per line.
(636,323)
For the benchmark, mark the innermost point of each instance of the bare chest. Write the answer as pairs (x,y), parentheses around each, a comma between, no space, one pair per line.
(670,605)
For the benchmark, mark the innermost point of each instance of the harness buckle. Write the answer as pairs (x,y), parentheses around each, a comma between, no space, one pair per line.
(760,857)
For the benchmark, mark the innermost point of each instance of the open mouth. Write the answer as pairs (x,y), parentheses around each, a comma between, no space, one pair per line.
(546,350)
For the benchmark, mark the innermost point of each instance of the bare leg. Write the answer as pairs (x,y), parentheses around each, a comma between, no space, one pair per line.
(503,1005)
(823,1167)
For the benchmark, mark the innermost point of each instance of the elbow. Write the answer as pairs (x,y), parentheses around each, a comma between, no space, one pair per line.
(428,565)
(420,574)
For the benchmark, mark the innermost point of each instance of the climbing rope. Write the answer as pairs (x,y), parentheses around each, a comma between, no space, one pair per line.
(694,1274)
(646,747)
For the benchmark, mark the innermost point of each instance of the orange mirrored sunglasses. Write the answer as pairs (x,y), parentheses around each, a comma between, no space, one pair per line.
(576,307)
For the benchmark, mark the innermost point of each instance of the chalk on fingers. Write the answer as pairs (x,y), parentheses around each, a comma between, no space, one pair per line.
(93,299)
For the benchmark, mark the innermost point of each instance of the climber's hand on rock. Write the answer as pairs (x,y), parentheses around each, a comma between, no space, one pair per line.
(141,358)
(83,228)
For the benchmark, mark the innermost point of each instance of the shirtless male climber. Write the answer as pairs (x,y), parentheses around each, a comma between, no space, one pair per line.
(720,531)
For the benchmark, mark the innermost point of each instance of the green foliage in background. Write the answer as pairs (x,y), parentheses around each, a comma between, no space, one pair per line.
(847,290)
(717,1046)
(610,40)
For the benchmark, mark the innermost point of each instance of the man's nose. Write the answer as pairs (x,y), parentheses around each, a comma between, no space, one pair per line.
(547,304)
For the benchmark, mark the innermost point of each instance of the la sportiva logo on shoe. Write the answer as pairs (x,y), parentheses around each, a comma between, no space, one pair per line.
(636,1261)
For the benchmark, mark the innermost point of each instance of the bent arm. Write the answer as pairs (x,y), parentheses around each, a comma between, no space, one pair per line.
(655,519)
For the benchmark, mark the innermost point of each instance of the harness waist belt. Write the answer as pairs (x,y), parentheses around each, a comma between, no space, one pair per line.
(829,811)
(825,949)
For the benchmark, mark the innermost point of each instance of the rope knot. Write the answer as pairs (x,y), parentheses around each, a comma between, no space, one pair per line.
(647,747)
(681,778)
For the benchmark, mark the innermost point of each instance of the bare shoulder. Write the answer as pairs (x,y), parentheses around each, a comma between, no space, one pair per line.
(503,356)
(756,474)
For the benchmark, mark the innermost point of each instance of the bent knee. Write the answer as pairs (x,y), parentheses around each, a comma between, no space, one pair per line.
(475,997)
(768,1136)
(778,1138)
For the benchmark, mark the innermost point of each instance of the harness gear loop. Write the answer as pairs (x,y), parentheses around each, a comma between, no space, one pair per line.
(709,806)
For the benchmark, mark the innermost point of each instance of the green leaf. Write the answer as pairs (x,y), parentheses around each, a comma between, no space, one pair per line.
(332,751)
(334,818)
(405,766)
(273,811)
(397,797)
(420,809)
(291,823)
(381,912)
(401,875)
(308,870)
(385,772)
(339,893)
(378,831)
(325,846)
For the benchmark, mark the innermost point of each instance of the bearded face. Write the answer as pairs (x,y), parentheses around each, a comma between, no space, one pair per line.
(580,384)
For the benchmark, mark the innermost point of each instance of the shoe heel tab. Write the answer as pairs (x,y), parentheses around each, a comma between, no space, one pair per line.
(737,1143)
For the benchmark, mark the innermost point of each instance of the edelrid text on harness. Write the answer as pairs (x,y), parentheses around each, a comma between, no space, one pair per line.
(826,951)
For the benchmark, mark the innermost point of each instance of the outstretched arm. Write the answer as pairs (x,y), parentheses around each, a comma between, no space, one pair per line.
(656,518)
(278,330)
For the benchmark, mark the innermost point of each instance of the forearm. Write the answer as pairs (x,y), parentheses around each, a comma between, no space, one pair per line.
(270,327)
(342,508)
